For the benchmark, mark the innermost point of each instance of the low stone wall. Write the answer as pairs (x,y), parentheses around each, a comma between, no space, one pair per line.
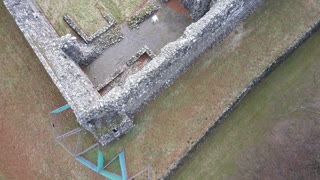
(140,16)
(140,88)
(271,67)
(146,50)
(130,62)
(86,38)
(84,54)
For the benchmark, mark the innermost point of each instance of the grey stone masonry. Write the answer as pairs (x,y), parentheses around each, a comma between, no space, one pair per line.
(130,62)
(255,81)
(140,88)
(141,15)
(68,77)
(197,8)
(84,54)
(89,38)
(144,50)
(108,117)
(74,85)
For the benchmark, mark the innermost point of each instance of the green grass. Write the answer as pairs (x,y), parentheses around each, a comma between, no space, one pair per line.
(88,14)
(27,146)
(122,9)
(2,177)
(290,86)
(168,126)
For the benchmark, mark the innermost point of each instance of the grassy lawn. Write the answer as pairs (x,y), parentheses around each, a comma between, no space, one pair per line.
(2,176)
(87,13)
(27,94)
(168,126)
(269,130)
(122,9)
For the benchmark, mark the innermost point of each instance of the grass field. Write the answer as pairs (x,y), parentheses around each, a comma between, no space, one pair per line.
(122,9)
(274,133)
(168,126)
(27,94)
(87,13)
(2,176)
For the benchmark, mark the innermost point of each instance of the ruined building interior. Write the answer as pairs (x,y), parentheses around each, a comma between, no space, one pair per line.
(108,76)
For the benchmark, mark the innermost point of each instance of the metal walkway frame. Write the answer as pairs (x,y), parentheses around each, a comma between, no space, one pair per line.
(97,167)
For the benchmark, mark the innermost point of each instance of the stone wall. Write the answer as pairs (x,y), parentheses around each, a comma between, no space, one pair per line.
(143,50)
(84,54)
(149,8)
(197,8)
(91,109)
(73,84)
(76,88)
(89,38)
(174,59)
(260,77)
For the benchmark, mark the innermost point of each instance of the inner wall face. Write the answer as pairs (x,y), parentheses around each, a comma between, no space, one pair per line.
(169,27)
(142,44)
(132,94)
(132,81)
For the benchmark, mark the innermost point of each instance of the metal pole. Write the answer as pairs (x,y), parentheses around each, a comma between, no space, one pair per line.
(69,133)
(91,147)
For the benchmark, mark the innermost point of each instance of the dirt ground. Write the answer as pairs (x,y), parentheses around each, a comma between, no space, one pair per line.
(27,94)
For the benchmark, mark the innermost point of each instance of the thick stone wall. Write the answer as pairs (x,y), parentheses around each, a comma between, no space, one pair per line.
(76,88)
(73,84)
(197,8)
(84,54)
(174,59)
(260,77)
(177,56)
(125,100)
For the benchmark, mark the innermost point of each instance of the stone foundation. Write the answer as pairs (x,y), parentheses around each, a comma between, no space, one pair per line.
(100,114)
(89,38)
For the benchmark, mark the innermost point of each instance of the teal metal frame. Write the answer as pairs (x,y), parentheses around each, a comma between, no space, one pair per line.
(60,109)
(98,168)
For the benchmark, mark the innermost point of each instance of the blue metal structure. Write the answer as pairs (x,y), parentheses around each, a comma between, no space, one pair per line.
(60,109)
(101,170)
(99,166)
